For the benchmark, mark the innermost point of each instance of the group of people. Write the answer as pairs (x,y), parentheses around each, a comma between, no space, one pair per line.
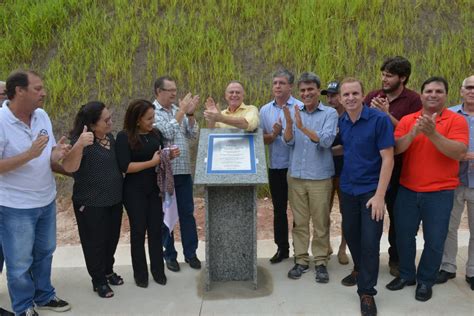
(390,147)
(393,146)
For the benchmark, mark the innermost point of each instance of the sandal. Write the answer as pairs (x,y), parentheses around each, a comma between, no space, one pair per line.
(114,279)
(104,291)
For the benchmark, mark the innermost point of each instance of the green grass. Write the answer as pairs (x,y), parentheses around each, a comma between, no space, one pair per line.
(113,50)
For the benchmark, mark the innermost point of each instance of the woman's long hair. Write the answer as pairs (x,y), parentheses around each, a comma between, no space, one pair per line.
(88,115)
(135,111)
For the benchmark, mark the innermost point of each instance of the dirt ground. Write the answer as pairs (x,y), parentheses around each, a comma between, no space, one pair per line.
(67,231)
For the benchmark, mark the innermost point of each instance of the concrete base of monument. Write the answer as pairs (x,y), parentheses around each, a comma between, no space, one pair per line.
(276,294)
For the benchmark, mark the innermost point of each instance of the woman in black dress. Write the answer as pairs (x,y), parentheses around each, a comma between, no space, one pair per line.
(97,193)
(138,153)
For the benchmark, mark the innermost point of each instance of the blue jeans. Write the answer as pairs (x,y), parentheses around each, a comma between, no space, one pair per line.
(433,209)
(183,185)
(29,240)
(362,235)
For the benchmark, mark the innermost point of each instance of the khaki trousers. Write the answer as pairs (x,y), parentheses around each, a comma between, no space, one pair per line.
(310,200)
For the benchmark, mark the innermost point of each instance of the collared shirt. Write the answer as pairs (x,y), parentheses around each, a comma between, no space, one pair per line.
(362,141)
(466,168)
(425,168)
(248,112)
(407,102)
(31,185)
(176,134)
(279,152)
(310,160)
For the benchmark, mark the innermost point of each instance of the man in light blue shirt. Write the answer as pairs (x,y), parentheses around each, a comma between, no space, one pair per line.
(271,115)
(309,132)
(463,196)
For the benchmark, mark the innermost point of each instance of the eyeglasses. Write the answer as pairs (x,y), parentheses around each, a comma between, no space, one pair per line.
(169,90)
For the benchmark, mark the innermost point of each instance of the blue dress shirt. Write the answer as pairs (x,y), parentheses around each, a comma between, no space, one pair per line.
(279,153)
(310,160)
(362,141)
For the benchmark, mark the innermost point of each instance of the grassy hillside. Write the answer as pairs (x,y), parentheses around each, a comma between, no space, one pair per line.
(113,50)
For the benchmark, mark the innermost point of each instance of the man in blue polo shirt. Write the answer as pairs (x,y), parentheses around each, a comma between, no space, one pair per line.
(271,115)
(367,139)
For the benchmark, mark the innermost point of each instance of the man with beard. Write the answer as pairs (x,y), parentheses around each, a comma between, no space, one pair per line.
(396,101)
(271,115)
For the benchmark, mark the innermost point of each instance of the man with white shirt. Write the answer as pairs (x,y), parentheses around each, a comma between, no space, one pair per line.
(28,156)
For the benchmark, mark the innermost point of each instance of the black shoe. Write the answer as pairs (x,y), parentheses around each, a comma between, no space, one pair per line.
(423,292)
(141,283)
(322,275)
(103,290)
(4,312)
(279,256)
(399,283)
(172,265)
(193,263)
(444,276)
(367,305)
(470,280)
(29,312)
(56,304)
(114,279)
(160,279)
(351,279)
(297,271)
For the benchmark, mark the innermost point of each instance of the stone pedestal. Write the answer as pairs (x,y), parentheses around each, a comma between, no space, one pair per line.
(231,214)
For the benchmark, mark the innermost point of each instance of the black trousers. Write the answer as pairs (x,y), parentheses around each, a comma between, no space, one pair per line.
(99,231)
(279,191)
(145,212)
(390,198)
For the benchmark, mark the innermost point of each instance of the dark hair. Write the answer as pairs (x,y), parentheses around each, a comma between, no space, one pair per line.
(283,72)
(351,80)
(135,111)
(309,77)
(88,115)
(18,78)
(435,79)
(160,83)
(399,66)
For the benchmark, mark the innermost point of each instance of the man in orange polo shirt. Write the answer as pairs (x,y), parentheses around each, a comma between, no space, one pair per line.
(433,141)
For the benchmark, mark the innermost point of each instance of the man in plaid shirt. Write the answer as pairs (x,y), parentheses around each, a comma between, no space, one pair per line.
(178,126)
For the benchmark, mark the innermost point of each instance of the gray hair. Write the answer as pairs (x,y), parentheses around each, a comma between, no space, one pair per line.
(283,72)
(308,77)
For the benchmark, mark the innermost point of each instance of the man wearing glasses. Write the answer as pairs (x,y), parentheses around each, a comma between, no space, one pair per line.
(178,126)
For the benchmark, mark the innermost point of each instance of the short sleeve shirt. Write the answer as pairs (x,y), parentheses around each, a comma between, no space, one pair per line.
(31,185)
(362,141)
(248,112)
(425,168)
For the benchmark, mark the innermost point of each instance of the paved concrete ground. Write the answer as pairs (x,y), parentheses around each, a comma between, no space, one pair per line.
(276,295)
